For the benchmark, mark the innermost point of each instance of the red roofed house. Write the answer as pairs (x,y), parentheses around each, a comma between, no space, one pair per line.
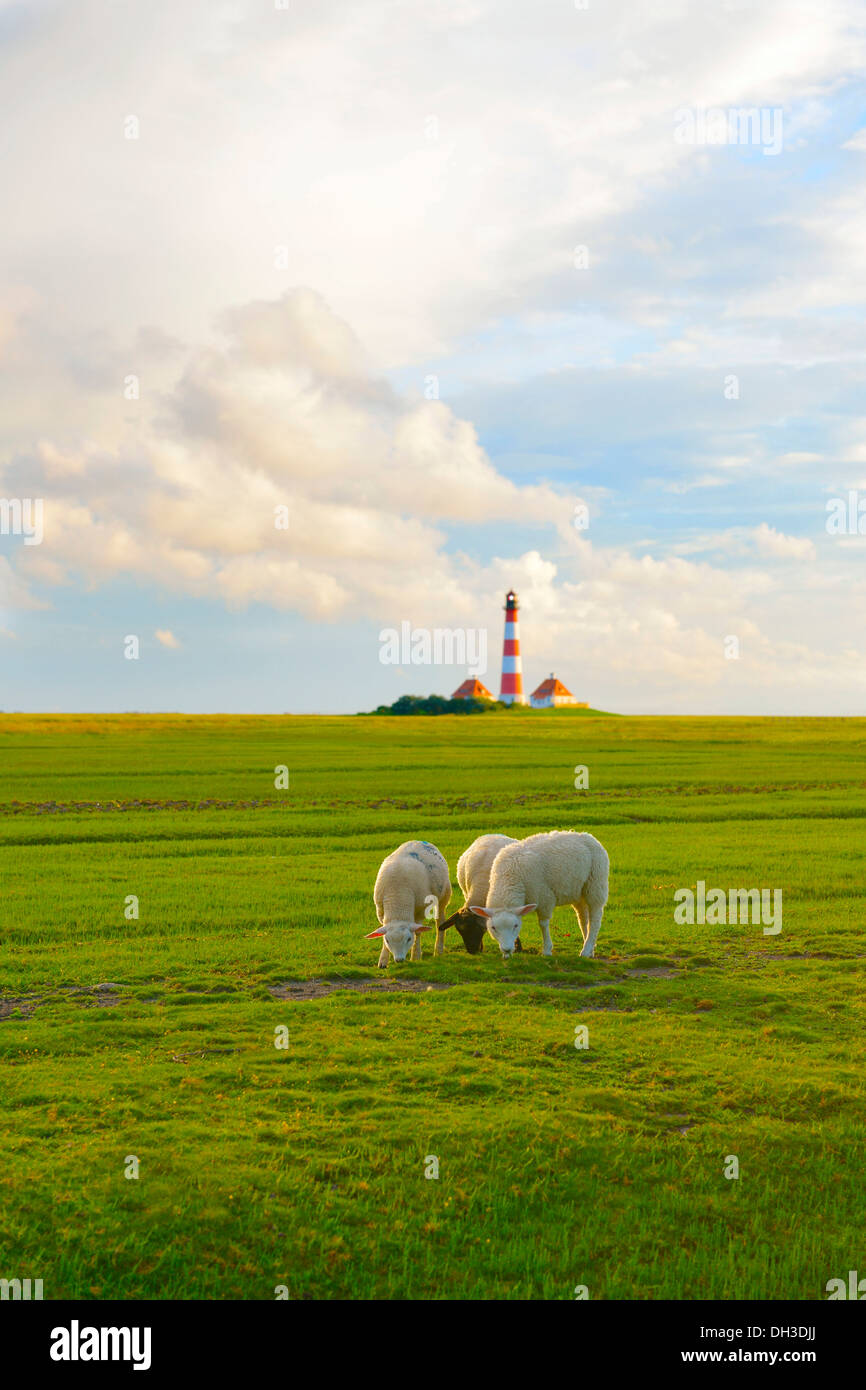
(472,690)
(552,692)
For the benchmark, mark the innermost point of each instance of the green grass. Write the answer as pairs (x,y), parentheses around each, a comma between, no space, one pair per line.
(305,1166)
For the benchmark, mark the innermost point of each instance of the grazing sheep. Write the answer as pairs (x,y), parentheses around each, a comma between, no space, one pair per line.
(409,882)
(473,875)
(543,872)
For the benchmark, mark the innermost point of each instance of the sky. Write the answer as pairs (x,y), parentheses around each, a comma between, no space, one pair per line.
(317,320)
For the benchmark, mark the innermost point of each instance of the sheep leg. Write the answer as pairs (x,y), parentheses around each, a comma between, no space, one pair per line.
(595,915)
(581,912)
(383,956)
(547,947)
(440,935)
(416,947)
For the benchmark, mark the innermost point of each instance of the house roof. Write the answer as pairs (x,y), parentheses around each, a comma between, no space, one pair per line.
(551,686)
(472,688)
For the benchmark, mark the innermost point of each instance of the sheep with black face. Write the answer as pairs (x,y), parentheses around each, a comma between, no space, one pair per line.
(473,875)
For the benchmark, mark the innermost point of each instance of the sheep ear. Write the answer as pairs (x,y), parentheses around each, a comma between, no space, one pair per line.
(457,919)
(481,911)
(530,907)
(380,931)
(422,926)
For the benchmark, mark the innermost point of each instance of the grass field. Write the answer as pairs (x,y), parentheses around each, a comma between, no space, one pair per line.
(304,1166)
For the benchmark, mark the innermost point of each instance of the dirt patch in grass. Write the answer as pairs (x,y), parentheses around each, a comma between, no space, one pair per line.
(317,989)
(24,1006)
(104,996)
(66,808)
(410,803)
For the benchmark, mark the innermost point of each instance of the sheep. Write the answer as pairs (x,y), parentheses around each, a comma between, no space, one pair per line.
(543,872)
(408,883)
(473,875)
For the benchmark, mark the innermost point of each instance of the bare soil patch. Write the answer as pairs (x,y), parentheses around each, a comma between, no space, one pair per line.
(317,989)
(103,996)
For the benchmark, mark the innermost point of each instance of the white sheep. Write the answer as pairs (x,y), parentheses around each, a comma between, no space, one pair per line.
(473,875)
(541,873)
(412,885)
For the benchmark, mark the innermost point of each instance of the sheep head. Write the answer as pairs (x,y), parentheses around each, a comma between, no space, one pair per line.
(399,937)
(470,926)
(504,924)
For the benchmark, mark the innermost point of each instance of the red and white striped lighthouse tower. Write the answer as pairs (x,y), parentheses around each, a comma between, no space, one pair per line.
(511,687)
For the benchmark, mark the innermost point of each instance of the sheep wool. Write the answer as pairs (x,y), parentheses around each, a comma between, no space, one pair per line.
(473,875)
(543,872)
(412,891)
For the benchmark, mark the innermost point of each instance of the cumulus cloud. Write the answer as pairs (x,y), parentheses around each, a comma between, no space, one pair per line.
(435,201)
(772,542)
(425,191)
(279,470)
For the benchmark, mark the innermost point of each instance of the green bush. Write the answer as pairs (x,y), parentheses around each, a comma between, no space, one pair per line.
(439,704)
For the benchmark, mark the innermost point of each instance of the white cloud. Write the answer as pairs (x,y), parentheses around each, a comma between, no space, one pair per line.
(769,541)
(309,130)
(14,592)
(284,416)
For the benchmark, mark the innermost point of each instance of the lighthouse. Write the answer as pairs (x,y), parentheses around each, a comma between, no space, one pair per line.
(511,686)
